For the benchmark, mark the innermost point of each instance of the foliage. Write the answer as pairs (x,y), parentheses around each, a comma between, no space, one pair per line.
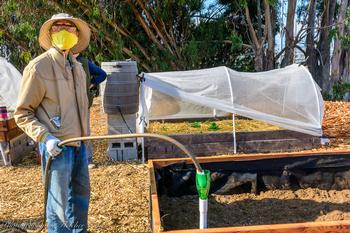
(213,126)
(340,90)
(237,42)
(244,62)
(19,26)
(159,35)
(196,124)
(207,46)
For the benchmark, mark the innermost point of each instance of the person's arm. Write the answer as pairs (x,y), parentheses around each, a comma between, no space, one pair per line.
(97,73)
(31,94)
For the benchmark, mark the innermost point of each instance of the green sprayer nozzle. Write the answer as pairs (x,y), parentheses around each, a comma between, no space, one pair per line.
(203,184)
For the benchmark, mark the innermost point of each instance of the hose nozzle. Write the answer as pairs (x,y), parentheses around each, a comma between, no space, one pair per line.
(203,184)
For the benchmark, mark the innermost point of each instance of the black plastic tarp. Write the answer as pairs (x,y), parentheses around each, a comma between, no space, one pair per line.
(321,171)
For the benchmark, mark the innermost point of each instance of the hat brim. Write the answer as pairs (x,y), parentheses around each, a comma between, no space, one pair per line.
(82,26)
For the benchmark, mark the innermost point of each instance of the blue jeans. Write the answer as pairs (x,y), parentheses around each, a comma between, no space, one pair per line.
(69,190)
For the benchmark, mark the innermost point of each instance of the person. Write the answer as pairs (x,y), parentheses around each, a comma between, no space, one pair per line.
(53,106)
(94,76)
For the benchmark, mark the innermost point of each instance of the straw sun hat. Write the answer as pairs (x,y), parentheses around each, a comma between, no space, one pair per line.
(82,26)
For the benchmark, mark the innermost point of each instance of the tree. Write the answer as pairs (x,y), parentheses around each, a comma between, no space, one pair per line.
(264,59)
(310,43)
(323,46)
(339,52)
(290,42)
(19,29)
(159,35)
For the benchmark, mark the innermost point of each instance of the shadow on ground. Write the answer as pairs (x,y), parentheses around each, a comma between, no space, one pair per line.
(182,213)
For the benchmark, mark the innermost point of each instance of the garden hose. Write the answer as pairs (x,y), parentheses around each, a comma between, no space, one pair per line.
(137,135)
(89,138)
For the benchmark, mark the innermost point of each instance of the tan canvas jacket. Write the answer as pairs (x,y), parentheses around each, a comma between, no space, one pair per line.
(48,90)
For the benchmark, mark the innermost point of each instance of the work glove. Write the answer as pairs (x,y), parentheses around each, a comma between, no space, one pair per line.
(52,147)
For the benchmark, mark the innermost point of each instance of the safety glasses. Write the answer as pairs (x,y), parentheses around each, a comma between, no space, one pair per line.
(61,26)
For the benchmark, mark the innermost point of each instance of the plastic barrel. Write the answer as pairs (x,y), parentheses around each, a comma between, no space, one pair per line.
(121,89)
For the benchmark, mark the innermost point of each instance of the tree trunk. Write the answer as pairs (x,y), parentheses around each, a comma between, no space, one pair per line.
(289,51)
(259,59)
(323,69)
(258,5)
(270,53)
(346,67)
(257,45)
(337,52)
(311,61)
(273,24)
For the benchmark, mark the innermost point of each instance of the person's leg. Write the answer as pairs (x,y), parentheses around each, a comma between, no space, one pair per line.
(80,191)
(59,189)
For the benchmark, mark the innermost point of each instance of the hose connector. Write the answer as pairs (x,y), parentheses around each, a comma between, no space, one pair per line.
(203,184)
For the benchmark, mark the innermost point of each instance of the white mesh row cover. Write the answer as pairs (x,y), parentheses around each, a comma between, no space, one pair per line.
(287,97)
(10,79)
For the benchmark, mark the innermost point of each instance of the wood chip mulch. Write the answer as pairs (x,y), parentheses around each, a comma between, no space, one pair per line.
(336,121)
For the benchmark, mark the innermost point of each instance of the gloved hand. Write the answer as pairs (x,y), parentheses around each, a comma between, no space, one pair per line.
(51,143)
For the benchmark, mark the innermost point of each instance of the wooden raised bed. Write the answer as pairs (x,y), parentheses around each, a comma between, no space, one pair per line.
(222,143)
(304,227)
(15,142)
(9,130)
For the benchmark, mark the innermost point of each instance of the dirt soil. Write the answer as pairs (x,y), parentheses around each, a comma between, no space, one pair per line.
(207,126)
(270,207)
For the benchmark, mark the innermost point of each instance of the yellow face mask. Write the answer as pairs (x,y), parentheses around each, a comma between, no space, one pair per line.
(64,40)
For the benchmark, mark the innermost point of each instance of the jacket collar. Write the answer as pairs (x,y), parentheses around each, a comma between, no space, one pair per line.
(59,58)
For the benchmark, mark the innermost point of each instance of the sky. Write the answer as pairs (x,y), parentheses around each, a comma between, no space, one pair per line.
(208,2)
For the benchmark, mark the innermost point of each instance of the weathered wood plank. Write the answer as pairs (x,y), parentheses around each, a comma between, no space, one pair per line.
(7,125)
(158,163)
(273,134)
(7,136)
(222,143)
(155,214)
(240,136)
(11,123)
(152,177)
(14,133)
(3,136)
(156,223)
(308,227)
(3,126)
(169,151)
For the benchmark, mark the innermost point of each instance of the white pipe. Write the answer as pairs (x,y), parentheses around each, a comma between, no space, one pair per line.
(233,115)
(234,134)
(5,152)
(203,214)
(142,118)
(143,143)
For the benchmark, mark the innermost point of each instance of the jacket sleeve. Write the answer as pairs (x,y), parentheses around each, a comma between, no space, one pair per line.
(32,92)
(97,73)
